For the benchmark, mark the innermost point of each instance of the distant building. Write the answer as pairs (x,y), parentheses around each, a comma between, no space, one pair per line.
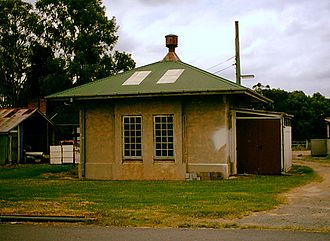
(23,132)
(170,120)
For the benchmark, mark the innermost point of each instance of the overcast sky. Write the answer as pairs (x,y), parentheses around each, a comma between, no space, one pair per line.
(284,43)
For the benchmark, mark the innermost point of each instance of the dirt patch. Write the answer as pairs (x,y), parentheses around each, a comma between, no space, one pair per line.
(60,175)
(308,207)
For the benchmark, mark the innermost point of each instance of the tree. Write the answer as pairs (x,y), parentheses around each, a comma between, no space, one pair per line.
(46,74)
(80,34)
(309,111)
(59,44)
(16,38)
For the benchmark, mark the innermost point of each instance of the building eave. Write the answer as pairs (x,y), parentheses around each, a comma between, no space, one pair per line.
(162,94)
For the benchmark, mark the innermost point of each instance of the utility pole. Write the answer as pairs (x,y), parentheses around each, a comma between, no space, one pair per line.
(237,55)
(239,76)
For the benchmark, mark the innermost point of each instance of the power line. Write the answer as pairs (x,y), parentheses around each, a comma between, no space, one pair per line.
(221,63)
(223,69)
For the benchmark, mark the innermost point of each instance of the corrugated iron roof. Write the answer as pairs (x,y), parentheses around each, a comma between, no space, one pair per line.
(12,117)
(191,80)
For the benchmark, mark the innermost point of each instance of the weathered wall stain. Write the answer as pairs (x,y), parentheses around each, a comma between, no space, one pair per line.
(219,138)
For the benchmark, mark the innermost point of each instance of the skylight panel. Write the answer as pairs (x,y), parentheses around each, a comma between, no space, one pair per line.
(137,78)
(170,76)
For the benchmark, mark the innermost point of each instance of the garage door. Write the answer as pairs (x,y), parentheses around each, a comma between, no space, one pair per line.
(258,146)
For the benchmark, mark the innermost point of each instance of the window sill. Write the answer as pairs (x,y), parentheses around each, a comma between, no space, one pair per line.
(132,161)
(164,160)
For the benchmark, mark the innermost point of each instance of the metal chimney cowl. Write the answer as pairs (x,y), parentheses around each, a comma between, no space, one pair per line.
(171,42)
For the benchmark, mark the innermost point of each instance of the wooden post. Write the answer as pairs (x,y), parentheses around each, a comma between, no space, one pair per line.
(237,55)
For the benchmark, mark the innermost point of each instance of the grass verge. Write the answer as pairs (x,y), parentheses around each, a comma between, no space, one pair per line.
(54,190)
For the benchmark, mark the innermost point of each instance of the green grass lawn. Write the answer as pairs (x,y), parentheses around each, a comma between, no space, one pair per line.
(53,190)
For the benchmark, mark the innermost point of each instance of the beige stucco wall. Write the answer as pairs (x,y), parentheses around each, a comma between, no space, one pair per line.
(99,140)
(207,134)
(104,158)
(200,138)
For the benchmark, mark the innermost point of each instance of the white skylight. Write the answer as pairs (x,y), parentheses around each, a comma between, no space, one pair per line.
(137,78)
(170,76)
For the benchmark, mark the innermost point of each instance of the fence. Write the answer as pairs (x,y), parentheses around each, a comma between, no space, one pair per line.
(301,145)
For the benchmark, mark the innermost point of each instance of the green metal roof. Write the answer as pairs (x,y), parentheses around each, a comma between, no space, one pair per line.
(187,79)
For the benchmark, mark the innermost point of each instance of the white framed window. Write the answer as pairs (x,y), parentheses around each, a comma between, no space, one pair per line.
(164,136)
(132,137)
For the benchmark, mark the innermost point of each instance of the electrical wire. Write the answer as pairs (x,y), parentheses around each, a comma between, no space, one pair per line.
(221,63)
(223,69)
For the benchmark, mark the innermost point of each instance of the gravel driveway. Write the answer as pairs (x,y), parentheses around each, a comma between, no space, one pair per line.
(308,207)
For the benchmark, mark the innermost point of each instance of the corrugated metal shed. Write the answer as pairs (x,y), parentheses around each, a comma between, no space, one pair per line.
(12,117)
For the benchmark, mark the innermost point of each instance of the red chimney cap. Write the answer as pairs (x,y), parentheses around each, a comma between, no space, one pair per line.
(171,41)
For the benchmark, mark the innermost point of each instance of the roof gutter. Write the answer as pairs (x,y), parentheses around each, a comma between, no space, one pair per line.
(258,96)
(144,95)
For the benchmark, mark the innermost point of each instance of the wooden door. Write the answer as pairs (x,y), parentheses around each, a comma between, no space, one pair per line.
(258,146)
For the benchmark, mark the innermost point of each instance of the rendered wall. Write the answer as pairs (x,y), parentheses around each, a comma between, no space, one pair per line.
(99,140)
(207,135)
(200,138)
(103,137)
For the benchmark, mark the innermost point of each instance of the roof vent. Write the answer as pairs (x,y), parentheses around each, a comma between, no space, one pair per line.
(171,43)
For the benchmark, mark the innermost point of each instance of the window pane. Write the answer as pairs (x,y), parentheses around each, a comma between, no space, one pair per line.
(163,139)
(132,131)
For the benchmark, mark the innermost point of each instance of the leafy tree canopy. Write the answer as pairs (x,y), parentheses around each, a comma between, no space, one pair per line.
(16,38)
(58,44)
(309,111)
(80,33)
